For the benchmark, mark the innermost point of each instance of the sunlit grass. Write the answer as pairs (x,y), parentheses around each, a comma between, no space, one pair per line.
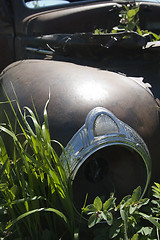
(35,193)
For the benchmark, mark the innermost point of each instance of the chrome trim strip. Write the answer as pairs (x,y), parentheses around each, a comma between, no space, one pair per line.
(40,51)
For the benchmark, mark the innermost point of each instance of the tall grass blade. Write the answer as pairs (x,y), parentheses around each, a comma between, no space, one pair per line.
(39,174)
(58,213)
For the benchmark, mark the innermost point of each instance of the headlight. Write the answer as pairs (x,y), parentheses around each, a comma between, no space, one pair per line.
(106,155)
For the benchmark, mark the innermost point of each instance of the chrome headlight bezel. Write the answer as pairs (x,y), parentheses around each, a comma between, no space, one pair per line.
(95,135)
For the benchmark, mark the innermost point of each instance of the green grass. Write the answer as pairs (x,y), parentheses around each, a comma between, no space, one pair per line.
(35,193)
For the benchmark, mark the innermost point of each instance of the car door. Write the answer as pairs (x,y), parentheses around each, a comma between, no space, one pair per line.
(37,28)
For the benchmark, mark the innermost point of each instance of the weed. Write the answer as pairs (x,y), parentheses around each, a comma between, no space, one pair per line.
(133,218)
(129,22)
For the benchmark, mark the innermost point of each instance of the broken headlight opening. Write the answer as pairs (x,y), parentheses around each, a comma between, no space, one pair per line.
(106,156)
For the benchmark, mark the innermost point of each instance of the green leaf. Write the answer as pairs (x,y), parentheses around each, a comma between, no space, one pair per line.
(125,201)
(3,187)
(98,31)
(156,202)
(93,220)
(131,26)
(131,13)
(8,132)
(22,200)
(14,190)
(109,203)
(89,209)
(150,219)
(45,126)
(132,209)
(124,214)
(142,202)
(136,195)
(156,190)
(114,229)
(127,9)
(97,203)
(157,37)
(135,237)
(22,216)
(146,231)
(3,152)
(108,217)
(3,168)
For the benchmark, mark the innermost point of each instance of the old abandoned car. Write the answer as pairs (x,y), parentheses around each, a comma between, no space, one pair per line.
(104,87)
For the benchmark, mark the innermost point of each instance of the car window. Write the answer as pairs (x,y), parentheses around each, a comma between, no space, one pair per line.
(45,3)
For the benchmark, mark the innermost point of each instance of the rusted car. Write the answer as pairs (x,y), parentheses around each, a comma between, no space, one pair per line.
(105,88)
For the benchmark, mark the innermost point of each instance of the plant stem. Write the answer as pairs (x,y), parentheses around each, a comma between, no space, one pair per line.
(125,231)
(125,225)
(157,232)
